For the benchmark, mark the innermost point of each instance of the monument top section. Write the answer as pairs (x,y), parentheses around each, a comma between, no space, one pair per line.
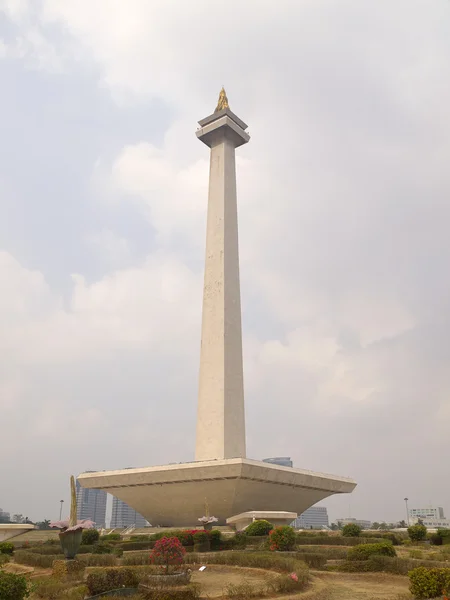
(223,101)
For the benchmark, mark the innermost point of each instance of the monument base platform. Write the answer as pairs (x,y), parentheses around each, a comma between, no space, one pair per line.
(276,517)
(175,495)
(10,530)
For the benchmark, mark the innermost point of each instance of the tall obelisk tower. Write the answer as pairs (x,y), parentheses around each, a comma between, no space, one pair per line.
(221,416)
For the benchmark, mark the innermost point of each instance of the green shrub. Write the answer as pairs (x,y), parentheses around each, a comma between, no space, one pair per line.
(111,537)
(417,533)
(351,530)
(282,538)
(387,564)
(13,587)
(6,548)
(99,582)
(415,554)
(102,548)
(365,551)
(90,536)
(429,583)
(259,527)
(215,538)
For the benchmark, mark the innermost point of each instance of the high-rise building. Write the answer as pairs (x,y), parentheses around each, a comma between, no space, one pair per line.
(91,504)
(125,516)
(315,517)
(283,461)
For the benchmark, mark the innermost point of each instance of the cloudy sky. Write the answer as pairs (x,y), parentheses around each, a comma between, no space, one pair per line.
(344,219)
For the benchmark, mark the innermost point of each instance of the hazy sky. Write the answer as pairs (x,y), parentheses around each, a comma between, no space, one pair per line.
(344,234)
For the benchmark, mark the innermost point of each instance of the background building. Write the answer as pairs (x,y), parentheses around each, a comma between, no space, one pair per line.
(315,517)
(283,461)
(5,517)
(125,516)
(91,504)
(360,522)
(431,512)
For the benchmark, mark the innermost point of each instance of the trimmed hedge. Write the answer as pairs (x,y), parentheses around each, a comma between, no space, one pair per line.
(45,561)
(99,582)
(313,560)
(365,551)
(335,541)
(429,583)
(136,558)
(336,553)
(387,564)
(111,537)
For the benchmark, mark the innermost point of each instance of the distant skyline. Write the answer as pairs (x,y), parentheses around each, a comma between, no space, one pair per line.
(343,224)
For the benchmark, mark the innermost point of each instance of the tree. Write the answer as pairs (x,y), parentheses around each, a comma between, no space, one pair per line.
(375,525)
(351,530)
(334,527)
(18,519)
(4,518)
(402,524)
(384,526)
(44,525)
(417,533)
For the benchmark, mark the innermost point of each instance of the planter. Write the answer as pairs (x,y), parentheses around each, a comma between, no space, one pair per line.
(70,542)
(167,579)
(207,526)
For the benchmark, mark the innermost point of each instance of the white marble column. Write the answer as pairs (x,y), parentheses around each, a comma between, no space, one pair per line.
(221,415)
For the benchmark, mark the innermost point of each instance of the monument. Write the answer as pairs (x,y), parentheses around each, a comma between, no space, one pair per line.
(236,488)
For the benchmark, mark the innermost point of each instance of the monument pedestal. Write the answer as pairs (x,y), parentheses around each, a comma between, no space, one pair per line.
(174,495)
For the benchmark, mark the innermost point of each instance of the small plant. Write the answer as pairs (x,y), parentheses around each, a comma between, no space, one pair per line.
(351,530)
(428,583)
(417,533)
(90,536)
(282,538)
(6,548)
(106,580)
(415,554)
(259,527)
(436,539)
(168,552)
(13,587)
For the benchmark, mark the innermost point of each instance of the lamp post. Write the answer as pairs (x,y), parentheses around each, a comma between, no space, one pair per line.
(407,511)
(60,510)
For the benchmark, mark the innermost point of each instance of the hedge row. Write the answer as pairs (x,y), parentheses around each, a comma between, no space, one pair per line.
(387,564)
(335,541)
(45,561)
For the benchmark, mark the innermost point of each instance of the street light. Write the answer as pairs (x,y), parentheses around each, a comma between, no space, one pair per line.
(60,510)
(407,511)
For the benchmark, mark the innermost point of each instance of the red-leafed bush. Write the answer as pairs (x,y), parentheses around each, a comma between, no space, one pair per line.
(168,552)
